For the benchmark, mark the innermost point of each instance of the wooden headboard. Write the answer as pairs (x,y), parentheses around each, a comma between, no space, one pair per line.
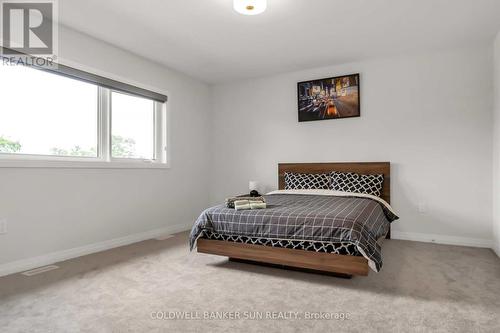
(366,168)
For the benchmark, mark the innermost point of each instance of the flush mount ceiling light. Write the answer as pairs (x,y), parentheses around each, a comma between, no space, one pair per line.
(250,7)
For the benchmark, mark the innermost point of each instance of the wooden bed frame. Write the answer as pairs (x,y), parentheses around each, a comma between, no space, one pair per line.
(342,265)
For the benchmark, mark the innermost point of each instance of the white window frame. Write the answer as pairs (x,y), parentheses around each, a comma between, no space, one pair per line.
(104,158)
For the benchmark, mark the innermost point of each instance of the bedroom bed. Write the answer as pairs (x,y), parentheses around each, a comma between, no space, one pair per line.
(314,229)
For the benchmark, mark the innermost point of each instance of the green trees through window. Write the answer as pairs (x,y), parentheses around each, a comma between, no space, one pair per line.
(122,147)
(9,146)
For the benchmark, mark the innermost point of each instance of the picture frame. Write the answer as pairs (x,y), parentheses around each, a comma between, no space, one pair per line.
(329,98)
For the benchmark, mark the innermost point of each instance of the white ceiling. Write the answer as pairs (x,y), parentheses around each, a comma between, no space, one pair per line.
(208,40)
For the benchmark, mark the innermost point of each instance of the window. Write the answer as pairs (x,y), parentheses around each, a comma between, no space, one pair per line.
(72,116)
(44,114)
(132,124)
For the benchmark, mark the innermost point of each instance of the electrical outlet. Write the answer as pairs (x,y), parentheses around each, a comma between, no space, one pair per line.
(3,226)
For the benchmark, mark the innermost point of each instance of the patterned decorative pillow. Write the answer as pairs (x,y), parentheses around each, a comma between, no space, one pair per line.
(353,182)
(307,181)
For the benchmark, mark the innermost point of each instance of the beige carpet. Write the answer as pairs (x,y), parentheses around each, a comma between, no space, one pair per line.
(422,287)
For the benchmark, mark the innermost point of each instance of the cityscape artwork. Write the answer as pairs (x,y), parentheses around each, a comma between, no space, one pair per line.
(332,98)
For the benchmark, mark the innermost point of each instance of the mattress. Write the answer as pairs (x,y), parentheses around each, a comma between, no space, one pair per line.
(314,216)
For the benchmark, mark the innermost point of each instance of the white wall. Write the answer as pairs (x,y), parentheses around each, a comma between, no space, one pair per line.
(429,115)
(496,147)
(50,210)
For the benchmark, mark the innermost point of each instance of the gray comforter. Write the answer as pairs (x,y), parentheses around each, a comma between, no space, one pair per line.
(358,220)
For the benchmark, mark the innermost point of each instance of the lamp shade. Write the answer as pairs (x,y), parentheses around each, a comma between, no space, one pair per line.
(250,7)
(253,185)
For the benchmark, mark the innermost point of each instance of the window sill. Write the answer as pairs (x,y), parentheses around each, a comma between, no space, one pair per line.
(21,163)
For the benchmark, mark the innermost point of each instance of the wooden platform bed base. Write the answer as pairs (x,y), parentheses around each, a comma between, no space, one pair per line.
(335,264)
(290,268)
(338,265)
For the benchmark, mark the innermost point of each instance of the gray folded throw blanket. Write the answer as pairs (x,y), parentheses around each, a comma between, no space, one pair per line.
(230,201)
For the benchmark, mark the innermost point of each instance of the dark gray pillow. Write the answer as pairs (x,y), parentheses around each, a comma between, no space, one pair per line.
(353,182)
(307,181)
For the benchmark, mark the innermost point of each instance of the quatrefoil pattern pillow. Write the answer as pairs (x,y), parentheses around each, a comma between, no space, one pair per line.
(353,182)
(306,181)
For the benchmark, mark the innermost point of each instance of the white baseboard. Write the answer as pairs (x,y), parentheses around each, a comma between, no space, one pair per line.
(442,239)
(51,258)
